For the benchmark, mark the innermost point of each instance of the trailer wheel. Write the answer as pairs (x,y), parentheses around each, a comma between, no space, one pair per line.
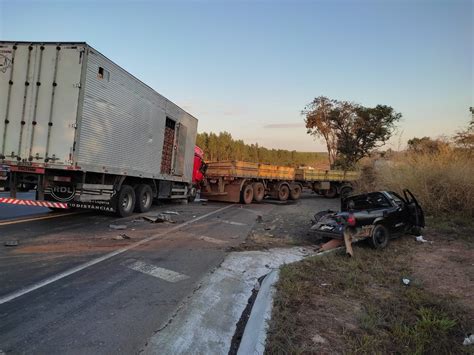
(295,192)
(125,201)
(247,194)
(346,191)
(331,193)
(283,192)
(258,192)
(143,198)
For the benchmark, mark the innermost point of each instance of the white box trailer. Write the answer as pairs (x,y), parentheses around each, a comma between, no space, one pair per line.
(85,132)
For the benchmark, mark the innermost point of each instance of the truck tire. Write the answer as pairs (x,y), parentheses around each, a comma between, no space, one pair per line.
(379,237)
(246,196)
(346,191)
(258,191)
(125,201)
(283,192)
(143,198)
(331,193)
(295,192)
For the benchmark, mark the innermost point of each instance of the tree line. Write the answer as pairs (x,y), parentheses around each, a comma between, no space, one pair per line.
(219,147)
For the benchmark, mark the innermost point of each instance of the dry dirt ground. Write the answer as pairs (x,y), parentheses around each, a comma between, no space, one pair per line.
(336,304)
(287,224)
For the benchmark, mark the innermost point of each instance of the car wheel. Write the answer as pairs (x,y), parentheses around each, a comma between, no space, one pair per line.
(125,201)
(379,237)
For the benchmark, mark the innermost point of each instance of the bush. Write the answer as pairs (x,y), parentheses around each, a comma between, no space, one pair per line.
(443,181)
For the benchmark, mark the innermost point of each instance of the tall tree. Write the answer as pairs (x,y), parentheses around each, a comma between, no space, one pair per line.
(351,131)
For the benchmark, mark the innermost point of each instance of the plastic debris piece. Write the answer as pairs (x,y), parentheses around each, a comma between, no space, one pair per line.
(421,239)
(406,281)
(121,237)
(118,226)
(11,243)
(171,212)
(332,244)
(160,218)
(469,340)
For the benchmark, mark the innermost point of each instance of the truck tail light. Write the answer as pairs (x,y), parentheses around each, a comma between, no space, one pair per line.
(62,178)
(351,220)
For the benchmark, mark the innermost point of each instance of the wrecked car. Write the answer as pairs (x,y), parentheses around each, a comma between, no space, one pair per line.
(376,216)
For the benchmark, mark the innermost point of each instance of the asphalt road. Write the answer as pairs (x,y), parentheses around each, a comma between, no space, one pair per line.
(8,211)
(63,289)
(72,285)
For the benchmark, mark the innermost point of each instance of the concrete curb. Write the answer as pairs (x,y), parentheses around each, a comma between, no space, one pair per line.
(255,332)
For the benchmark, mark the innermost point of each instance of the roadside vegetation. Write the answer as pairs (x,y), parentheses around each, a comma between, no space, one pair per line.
(442,178)
(222,146)
(335,304)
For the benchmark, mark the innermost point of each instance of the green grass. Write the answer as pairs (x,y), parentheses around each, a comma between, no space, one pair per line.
(363,307)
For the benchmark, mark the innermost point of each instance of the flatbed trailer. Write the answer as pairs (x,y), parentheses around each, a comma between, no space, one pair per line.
(238,181)
(329,183)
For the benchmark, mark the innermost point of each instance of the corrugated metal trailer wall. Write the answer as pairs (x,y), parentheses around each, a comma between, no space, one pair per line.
(122,125)
(65,105)
(39,88)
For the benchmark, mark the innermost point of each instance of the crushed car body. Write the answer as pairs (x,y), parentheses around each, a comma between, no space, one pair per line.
(377,216)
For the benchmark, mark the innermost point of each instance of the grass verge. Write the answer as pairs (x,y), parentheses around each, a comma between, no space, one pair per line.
(335,304)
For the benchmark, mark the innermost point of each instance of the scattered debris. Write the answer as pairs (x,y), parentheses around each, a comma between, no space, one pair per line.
(118,226)
(406,281)
(422,240)
(171,212)
(469,340)
(259,219)
(324,284)
(318,339)
(204,203)
(121,237)
(348,242)
(332,244)
(268,228)
(11,243)
(160,218)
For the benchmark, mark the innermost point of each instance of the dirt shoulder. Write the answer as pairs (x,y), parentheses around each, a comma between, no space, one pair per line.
(336,304)
(287,223)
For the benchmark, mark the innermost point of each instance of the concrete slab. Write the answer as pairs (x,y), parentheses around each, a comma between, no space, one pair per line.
(206,323)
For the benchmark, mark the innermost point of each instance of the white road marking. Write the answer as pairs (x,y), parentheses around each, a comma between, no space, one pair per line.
(159,272)
(212,240)
(232,222)
(78,268)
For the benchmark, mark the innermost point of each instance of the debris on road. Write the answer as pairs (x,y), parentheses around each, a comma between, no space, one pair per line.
(121,237)
(118,226)
(160,218)
(332,244)
(171,212)
(406,281)
(421,239)
(469,340)
(11,243)
(259,219)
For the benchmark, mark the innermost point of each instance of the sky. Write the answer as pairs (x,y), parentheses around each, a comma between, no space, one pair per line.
(250,67)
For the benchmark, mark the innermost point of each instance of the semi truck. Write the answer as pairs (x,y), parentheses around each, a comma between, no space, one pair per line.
(86,133)
(238,181)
